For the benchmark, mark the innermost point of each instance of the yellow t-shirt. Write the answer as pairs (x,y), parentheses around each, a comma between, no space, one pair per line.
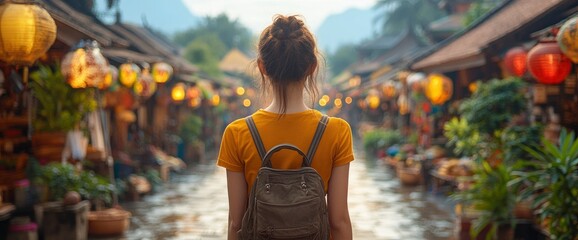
(238,153)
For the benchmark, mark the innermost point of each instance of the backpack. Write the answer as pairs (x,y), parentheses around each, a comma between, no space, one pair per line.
(286,204)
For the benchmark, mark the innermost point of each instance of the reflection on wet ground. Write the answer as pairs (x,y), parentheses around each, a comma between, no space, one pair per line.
(194,206)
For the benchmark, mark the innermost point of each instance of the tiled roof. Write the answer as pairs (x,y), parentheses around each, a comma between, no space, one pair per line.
(469,44)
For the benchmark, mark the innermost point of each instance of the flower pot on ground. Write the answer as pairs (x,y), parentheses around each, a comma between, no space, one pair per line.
(109,222)
(492,197)
(409,172)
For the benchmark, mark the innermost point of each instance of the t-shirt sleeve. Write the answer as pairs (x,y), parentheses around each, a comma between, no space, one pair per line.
(344,150)
(228,154)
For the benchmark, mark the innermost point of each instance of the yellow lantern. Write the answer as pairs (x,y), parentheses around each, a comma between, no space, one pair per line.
(129,73)
(178,92)
(322,102)
(372,99)
(145,86)
(85,66)
(216,100)
(110,78)
(162,72)
(439,89)
(403,103)
(26,32)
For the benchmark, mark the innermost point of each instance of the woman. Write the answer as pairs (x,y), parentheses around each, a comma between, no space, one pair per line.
(288,63)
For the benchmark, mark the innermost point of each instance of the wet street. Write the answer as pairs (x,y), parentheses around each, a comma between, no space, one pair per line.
(194,206)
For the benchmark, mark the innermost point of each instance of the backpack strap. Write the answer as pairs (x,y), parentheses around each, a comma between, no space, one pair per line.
(312,148)
(317,138)
(256,138)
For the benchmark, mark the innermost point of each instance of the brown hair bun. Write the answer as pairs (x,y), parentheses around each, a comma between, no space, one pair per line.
(287,28)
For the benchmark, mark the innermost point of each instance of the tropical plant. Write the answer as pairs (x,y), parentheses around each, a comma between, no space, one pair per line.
(462,138)
(61,178)
(491,195)
(60,107)
(552,181)
(493,104)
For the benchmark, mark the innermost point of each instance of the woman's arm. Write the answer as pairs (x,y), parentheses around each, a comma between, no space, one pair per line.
(337,204)
(237,189)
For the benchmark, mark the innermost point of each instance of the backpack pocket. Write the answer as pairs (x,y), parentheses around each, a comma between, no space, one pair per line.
(299,233)
(288,221)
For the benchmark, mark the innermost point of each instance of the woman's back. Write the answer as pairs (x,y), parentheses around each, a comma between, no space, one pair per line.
(297,129)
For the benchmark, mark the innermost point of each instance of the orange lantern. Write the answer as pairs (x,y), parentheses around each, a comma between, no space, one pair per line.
(85,66)
(26,32)
(390,89)
(439,89)
(178,92)
(110,78)
(162,72)
(129,73)
(145,86)
(567,39)
(548,64)
(515,61)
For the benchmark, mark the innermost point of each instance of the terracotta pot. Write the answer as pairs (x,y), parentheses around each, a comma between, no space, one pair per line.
(408,176)
(108,222)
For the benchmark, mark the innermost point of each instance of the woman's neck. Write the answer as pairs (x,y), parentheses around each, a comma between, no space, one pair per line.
(294,103)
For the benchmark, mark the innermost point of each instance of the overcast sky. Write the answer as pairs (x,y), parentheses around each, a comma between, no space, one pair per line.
(257,14)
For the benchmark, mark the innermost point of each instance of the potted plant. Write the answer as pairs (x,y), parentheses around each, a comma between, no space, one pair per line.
(493,200)
(552,182)
(190,131)
(59,109)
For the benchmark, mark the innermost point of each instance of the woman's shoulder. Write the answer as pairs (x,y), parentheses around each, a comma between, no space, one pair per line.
(236,125)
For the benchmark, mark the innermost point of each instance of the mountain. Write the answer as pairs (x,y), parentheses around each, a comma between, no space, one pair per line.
(350,26)
(165,16)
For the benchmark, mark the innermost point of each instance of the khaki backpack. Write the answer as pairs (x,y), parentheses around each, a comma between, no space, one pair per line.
(286,204)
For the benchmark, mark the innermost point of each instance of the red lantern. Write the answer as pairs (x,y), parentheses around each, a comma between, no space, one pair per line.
(515,61)
(548,64)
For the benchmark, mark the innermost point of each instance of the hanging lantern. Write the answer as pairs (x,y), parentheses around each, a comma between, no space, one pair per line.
(515,61)
(110,78)
(548,64)
(390,89)
(439,89)
(129,73)
(403,103)
(240,91)
(26,32)
(194,102)
(348,100)
(216,100)
(144,85)
(372,99)
(162,72)
(85,66)
(178,92)
(567,39)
